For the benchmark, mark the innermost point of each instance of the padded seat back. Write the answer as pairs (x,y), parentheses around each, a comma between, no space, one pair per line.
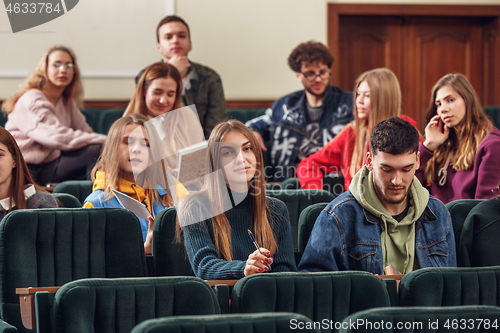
(307,219)
(450,286)
(67,200)
(244,115)
(169,256)
(117,305)
(291,183)
(424,319)
(459,209)
(80,189)
(92,116)
(296,201)
(50,247)
(108,117)
(233,323)
(493,113)
(479,240)
(319,296)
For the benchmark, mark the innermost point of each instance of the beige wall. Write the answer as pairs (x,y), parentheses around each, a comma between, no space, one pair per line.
(246,42)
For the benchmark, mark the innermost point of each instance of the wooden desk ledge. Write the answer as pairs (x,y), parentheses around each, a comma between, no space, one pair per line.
(27,300)
(27,297)
(27,304)
(230,283)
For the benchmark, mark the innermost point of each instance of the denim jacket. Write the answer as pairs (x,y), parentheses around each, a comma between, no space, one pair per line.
(285,125)
(347,237)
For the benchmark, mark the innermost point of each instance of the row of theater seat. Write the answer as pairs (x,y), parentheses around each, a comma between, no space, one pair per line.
(296,201)
(480,247)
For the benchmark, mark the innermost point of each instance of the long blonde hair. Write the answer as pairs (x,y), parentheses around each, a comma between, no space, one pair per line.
(214,190)
(109,161)
(465,138)
(38,80)
(385,102)
(156,71)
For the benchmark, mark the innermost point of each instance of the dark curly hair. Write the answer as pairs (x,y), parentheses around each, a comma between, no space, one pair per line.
(310,51)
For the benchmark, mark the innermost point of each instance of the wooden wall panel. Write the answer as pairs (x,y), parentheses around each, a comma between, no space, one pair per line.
(420,44)
(367,43)
(433,48)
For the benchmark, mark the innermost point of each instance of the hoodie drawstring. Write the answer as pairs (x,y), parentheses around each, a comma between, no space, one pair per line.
(443,172)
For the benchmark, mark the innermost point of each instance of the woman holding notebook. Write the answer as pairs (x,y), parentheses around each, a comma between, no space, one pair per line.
(158,97)
(125,166)
(218,222)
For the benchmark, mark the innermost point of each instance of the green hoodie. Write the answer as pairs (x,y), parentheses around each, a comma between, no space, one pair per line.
(397,238)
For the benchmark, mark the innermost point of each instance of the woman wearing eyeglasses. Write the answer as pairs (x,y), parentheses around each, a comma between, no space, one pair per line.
(45,119)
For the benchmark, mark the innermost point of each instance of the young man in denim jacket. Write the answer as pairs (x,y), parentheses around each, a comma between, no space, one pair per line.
(303,122)
(387,217)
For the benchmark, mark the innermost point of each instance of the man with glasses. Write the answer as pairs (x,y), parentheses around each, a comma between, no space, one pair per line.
(301,123)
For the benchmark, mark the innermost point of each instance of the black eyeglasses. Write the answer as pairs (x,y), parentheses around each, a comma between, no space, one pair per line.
(311,76)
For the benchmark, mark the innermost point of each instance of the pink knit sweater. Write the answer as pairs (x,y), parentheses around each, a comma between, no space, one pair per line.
(42,130)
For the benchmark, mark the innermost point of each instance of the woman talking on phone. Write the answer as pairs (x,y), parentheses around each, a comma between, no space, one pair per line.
(216,221)
(460,155)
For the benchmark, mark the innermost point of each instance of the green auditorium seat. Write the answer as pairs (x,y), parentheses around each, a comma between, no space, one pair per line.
(77,188)
(459,209)
(169,256)
(108,117)
(493,112)
(53,246)
(296,201)
(479,240)
(92,115)
(291,184)
(319,296)
(233,323)
(307,219)
(3,119)
(67,200)
(117,305)
(451,286)
(244,115)
(424,319)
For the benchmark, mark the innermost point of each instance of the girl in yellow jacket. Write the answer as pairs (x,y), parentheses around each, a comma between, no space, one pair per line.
(125,165)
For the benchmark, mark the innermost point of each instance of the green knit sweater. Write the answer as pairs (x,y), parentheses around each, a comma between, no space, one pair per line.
(205,259)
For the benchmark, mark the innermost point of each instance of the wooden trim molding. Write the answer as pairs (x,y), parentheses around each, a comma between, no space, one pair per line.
(234,104)
(415,10)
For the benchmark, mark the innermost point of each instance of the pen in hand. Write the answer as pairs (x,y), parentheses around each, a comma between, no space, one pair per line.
(254,241)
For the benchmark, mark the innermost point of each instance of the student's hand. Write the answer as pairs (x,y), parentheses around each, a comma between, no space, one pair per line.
(436,133)
(148,244)
(181,63)
(260,139)
(256,262)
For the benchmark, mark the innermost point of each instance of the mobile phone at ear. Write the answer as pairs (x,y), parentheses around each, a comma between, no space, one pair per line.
(441,123)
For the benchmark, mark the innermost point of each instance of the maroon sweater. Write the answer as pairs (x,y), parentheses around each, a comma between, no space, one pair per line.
(479,182)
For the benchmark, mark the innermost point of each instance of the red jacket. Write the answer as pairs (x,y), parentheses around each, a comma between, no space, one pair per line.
(336,156)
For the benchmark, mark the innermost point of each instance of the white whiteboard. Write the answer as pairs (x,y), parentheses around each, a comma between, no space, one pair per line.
(111,38)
